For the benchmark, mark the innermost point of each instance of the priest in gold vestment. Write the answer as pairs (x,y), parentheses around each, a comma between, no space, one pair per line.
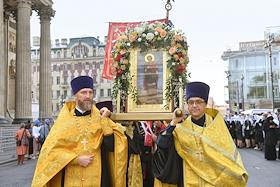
(199,150)
(72,154)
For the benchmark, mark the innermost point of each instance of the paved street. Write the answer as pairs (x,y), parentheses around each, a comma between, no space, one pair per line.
(12,175)
(261,172)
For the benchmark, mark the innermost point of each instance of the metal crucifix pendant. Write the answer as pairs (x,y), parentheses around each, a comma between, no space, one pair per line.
(84,142)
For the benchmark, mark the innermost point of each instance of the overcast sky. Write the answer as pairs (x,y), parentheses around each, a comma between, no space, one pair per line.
(211,26)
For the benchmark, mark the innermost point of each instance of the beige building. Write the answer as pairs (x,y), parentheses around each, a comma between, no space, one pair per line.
(69,59)
(15,59)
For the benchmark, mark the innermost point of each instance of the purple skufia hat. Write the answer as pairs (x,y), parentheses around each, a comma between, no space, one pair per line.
(81,82)
(107,104)
(197,89)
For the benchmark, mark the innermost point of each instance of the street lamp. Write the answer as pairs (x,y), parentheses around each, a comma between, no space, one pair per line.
(237,96)
(242,91)
(268,43)
(229,90)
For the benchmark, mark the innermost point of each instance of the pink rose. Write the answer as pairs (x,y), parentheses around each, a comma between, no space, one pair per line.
(172,50)
(123,51)
(125,61)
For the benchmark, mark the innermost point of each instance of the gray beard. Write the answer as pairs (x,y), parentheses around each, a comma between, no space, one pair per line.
(86,105)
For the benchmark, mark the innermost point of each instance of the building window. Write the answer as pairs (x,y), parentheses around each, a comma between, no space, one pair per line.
(80,51)
(101,93)
(276,91)
(58,54)
(57,80)
(256,92)
(57,93)
(236,63)
(275,61)
(256,78)
(65,80)
(255,62)
(275,76)
(101,51)
(109,92)
(65,94)
(97,66)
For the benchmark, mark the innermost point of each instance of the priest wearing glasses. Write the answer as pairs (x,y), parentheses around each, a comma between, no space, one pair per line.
(74,152)
(199,150)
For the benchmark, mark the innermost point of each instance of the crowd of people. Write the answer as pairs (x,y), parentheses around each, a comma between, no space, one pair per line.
(86,148)
(29,139)
(260,132)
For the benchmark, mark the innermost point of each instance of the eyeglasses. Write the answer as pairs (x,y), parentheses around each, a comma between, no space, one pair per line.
(196,102)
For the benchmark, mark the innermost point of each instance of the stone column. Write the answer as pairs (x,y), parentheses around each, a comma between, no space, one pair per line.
(2,66)
(6,73)
(45,85)
(23,110)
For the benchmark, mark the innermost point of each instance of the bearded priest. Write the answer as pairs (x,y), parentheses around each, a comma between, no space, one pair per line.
(73,153)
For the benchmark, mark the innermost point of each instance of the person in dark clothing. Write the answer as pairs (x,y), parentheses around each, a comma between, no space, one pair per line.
(30,139)
(247,132)
(189,150)
(270,129)
(278,142)
(145,155)
(232,130)
(134,168)
(259,135)
(239,134)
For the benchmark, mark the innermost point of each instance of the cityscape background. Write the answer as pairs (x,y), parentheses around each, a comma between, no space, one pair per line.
(210,26)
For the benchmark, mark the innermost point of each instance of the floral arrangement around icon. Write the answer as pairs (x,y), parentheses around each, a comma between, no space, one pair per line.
(146,37)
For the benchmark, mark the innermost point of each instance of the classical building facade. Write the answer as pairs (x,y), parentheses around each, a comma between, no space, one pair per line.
(69,59)
(249,80)
(15,59)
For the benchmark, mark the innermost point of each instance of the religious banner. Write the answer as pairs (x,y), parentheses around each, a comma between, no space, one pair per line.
(114,31)
(150,65)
